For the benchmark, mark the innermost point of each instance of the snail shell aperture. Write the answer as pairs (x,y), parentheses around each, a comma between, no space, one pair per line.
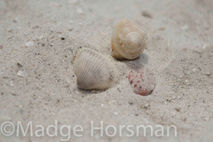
(93,70)
(128,40)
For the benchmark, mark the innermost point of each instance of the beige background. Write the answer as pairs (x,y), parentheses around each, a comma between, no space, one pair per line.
(37,82)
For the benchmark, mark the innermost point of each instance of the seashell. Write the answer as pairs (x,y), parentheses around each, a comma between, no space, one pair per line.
(142,82)
(128,40)
(93,70)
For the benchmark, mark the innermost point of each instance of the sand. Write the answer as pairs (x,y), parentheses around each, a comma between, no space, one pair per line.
(39,38)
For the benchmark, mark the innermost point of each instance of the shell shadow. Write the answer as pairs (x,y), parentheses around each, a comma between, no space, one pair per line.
(86,93)
(137,63)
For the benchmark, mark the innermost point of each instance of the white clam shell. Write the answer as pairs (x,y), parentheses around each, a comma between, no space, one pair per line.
(93,70)
(128,40)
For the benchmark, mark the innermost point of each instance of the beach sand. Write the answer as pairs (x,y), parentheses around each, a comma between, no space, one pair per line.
(39,39)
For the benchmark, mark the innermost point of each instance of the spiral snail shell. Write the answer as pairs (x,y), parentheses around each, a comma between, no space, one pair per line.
(128,40)
(93,70)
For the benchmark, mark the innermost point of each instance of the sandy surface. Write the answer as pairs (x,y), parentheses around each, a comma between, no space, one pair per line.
(39,38)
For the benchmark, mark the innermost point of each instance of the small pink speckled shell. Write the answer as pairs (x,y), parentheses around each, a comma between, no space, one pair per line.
(142,82)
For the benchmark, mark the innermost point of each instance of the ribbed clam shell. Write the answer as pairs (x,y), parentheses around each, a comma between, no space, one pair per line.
(93,70)
(128,40)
